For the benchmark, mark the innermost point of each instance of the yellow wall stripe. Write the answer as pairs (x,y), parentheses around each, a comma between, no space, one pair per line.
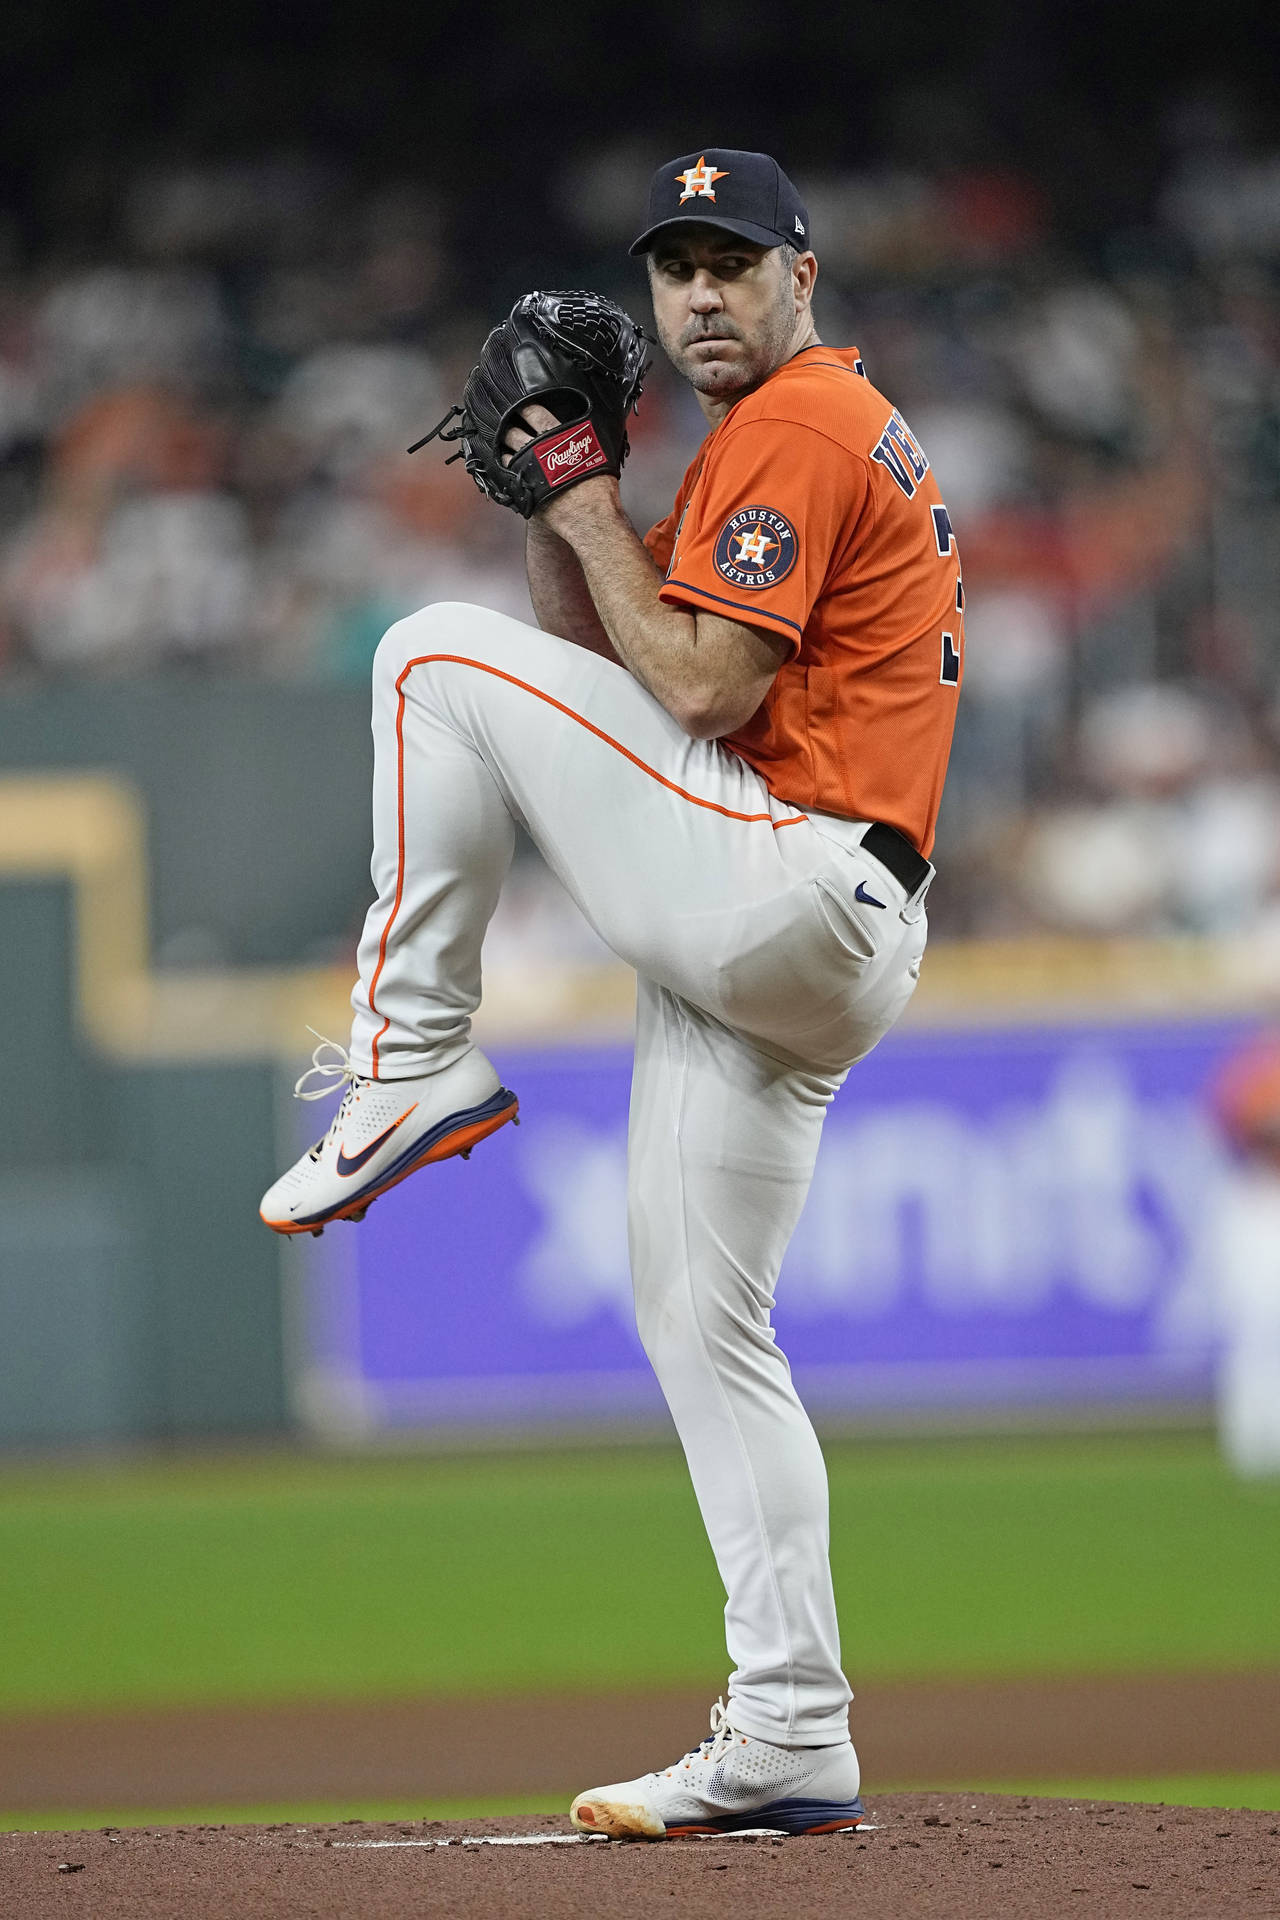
(89,829)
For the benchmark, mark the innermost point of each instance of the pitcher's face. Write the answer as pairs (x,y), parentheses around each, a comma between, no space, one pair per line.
(728,312)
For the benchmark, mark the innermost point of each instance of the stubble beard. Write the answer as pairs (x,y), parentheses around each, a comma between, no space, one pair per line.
(762,355)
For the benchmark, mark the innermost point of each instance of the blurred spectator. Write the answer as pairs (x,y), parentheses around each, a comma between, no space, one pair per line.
(205,398)
(1182,829)
(116,325)
(347,403)
(1247,1101)
(137,553)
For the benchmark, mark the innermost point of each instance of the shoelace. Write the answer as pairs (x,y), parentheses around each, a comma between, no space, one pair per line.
(716,1743)
(328,1072)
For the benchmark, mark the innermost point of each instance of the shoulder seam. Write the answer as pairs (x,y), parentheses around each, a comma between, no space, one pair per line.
(806,426)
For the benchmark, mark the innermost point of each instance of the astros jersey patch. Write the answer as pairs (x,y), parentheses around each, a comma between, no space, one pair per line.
(756,549)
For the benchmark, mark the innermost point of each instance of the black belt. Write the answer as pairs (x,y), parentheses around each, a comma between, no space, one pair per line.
(893,850)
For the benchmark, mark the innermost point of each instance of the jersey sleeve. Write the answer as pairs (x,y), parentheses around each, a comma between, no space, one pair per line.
(661,538)
(772,510)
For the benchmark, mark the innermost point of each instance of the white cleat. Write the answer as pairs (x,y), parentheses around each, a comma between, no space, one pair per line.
(383,1131)
(731,1784)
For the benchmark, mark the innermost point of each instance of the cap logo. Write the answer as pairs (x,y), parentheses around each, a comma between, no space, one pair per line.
(799,224)
(697,181)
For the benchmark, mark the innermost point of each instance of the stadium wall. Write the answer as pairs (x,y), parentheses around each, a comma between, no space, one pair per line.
(183,868)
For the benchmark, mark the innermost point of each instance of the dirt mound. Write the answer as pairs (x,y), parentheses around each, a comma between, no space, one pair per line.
(928,1856)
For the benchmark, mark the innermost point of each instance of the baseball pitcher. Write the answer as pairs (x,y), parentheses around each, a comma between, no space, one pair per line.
(728,740)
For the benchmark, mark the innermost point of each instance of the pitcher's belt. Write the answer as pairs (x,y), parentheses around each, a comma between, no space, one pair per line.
(893,850)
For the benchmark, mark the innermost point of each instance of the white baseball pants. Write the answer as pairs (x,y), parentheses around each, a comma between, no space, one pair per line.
(761,980)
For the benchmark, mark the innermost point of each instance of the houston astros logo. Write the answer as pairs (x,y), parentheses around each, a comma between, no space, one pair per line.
(756,548)
(698,180)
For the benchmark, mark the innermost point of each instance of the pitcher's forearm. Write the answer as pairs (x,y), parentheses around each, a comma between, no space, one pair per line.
(558,589)
(709,674)
(653,641)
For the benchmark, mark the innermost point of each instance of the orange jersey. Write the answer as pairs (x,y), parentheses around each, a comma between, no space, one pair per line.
(811,511)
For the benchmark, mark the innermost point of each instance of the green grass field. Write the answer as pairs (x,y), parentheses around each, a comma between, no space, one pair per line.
(288,1576)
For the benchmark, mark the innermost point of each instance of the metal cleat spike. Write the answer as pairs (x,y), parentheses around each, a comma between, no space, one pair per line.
(316,1232)
(353,1217)
(465,1154)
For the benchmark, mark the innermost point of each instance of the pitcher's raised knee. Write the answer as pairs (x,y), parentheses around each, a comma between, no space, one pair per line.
(443,626)
(462,632)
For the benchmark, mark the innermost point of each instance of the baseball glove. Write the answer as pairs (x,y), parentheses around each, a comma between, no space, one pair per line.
(577,354)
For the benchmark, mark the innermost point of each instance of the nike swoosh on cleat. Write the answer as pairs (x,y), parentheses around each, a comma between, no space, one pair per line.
(499,1107)
(347,1166)
(867,899)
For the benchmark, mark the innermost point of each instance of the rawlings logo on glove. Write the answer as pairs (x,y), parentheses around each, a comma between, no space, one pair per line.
(570,457)
(576,354)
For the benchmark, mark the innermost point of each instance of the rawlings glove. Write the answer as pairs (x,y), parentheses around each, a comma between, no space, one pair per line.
(577,354)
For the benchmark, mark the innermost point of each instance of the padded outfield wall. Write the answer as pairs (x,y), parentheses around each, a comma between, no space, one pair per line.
(1013,1210)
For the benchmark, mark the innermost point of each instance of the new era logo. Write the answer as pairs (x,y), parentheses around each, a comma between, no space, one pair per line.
(799,224)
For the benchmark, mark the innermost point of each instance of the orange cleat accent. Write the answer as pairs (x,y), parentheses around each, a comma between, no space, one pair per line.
(453,1144)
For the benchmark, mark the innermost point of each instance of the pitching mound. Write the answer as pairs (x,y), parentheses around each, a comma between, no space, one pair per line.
(929,1856)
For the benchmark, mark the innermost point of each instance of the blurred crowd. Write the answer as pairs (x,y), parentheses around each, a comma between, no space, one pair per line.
(204,408)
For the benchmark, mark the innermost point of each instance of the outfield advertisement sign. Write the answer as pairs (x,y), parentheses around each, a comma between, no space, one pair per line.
(1023,1217)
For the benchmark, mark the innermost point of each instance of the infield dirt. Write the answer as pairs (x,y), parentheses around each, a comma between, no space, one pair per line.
(918,1734)
(929,1857)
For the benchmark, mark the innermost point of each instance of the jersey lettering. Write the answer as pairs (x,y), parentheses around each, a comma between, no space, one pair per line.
(945,540)
(943,531)
(899,452)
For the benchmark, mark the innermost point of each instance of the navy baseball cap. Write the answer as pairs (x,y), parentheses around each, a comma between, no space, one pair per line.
(746,193)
